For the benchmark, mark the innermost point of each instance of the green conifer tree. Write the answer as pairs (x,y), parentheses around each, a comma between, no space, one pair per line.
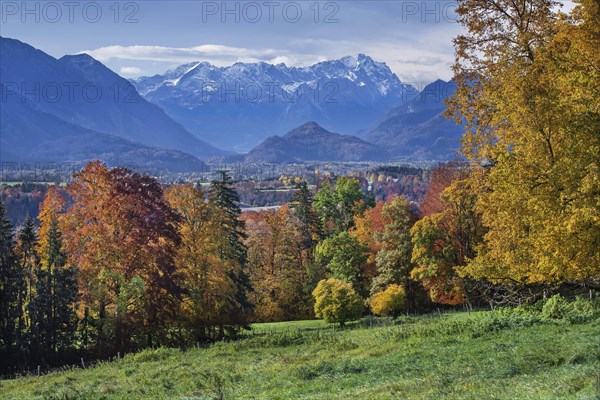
(232,249)
(9,287)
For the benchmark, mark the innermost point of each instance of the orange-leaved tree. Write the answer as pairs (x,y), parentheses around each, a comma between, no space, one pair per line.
(120,232)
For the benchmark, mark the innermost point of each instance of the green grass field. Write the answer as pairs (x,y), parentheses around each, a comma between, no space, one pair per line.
(453,356)
(283,327)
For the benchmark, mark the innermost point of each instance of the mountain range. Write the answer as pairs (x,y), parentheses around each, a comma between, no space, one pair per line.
(76,109)
(238,106)
(47,100)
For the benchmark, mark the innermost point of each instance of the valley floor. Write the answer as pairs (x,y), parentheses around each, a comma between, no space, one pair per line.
(455,356)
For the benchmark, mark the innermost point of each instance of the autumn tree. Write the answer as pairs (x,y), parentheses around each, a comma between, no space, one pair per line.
(206,277)
(440,178)
(56,285)
(195,257)
(366,229)
(275,264)
(527,91)
(336,301)
(263,239)
(394,259)
(446,241)
(120,232)
(389,302)
(52,207)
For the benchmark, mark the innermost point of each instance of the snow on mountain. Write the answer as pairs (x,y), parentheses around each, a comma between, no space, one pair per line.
(238,106)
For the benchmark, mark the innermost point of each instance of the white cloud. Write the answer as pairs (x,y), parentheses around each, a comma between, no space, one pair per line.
(180,54)
(423,60)
(419,60)
(130,71)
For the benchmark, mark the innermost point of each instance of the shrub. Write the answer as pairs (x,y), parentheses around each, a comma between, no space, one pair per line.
(582,310)
(149,355)
(555,307)
(336,301)
(388,302)
(578,311)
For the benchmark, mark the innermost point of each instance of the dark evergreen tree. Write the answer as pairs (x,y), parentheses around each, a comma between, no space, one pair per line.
(10,312)
(28,263)
(55,295)
(233,250)
(65,318)
(39,314)
(311,232)
(310,224)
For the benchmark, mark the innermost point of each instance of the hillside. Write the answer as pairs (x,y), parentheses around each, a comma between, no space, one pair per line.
(418,129)
(484,355)
(30,135)
(81,91)
(311,142)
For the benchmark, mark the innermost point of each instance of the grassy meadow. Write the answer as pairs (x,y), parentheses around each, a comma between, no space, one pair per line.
(484,355)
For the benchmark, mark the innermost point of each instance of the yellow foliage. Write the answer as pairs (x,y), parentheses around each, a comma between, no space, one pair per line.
(336,301)
(388,302)
(533,113)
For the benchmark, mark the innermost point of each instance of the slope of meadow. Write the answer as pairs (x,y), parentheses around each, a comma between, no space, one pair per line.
(485,355)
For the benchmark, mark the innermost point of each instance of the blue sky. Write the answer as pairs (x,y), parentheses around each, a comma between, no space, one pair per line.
(147,37)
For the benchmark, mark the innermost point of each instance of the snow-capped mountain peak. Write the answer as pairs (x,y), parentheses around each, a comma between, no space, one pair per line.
(343,95)
(186,70)
(359,70)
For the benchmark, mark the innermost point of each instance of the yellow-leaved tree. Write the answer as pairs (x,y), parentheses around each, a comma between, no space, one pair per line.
(388,302)
(336,301)
(209,288)
(528,92)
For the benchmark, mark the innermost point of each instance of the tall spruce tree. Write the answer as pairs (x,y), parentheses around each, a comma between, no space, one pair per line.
(9,287)
(57,292)
(311,232)
(232,249)
(27,267)
(39,314)
(310,226)
(26,250)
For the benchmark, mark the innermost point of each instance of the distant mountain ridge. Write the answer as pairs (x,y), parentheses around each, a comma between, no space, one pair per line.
(30,135)
(311,142)
(418,129)
(229,105)
(98,114)
(77,95)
